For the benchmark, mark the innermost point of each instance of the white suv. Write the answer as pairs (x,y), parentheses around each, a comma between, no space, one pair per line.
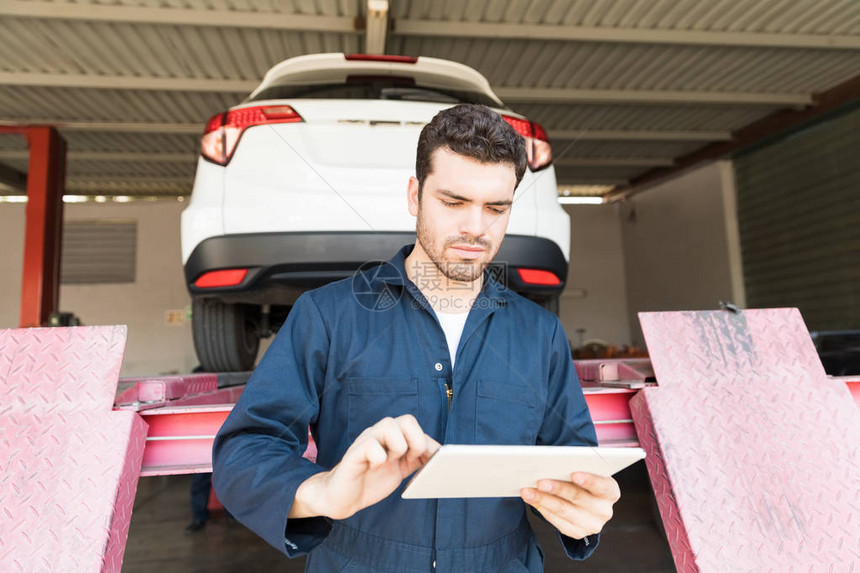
(306,180)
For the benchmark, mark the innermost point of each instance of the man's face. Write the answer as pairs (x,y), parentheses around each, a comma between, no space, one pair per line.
(463,212)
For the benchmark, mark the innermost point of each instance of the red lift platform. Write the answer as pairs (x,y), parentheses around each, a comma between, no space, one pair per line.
(752,450)
(46,183)
(754,453)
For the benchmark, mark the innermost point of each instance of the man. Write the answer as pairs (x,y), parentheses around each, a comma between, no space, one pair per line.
(426,349)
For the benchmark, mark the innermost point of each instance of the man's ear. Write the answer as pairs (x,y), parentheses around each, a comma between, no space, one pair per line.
(412,196)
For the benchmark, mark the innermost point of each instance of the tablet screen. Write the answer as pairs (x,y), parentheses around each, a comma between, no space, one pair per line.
(501,471)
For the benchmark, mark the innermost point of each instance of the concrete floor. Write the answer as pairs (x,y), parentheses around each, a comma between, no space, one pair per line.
(631,541)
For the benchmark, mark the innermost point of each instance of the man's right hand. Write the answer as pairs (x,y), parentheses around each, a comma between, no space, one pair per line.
(373,466)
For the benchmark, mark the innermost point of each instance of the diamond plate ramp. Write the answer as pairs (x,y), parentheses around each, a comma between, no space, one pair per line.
(68,463)
(754,454)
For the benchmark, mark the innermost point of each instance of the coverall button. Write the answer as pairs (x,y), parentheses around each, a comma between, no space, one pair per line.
(438,367)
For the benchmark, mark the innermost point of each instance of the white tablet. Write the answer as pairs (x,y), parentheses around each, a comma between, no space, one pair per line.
(501,471)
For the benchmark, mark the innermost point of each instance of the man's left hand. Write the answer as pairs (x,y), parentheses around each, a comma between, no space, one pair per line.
(576,508)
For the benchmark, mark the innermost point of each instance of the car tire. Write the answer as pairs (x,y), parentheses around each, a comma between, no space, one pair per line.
(225,336)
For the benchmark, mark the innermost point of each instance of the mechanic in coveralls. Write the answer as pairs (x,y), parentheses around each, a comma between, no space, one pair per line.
(427,348)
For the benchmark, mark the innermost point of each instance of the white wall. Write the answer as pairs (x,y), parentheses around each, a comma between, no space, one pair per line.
(595,296)
(11,262)
(153,347)
(681,249)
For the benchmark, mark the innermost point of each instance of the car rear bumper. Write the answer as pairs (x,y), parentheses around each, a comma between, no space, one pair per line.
(281,266)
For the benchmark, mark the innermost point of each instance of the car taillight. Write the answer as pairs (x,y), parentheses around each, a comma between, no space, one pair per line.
(223,278)
(538,148)
(538,277)
(224,130)
(380,58)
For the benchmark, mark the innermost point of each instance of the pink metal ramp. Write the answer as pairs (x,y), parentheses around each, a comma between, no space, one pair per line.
(753,452)
(68,463)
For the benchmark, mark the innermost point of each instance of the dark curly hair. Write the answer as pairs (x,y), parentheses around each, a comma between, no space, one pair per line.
(474,131)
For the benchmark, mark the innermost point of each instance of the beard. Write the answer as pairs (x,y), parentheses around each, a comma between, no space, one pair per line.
(459,270)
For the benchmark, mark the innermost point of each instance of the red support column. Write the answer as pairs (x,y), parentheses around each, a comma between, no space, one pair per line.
(46,178)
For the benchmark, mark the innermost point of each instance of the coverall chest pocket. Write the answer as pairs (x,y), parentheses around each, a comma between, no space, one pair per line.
(507,413)
(371,399)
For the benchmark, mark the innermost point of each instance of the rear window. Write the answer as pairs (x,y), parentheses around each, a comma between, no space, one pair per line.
(367,87)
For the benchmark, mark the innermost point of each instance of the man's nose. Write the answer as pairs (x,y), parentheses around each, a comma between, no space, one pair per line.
(474,222)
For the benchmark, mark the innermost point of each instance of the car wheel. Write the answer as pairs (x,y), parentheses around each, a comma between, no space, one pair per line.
(225,336)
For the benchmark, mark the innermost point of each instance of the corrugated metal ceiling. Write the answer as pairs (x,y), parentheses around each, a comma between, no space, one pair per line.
(638,118)
(38,103)
(535,63)
(57,46)
(623,84)
(778,16)
(118,142)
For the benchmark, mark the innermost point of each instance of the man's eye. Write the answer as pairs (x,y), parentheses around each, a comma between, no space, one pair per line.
(497,211)
(450,204)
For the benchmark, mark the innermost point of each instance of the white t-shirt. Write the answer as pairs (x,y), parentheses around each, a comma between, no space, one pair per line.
(452,324)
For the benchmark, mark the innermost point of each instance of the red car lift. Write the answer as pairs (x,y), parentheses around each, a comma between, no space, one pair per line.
(46,180)
(753,452)
(69,462)
(185,412)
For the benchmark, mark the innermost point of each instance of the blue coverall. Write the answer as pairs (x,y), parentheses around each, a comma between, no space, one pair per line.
(357,350)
